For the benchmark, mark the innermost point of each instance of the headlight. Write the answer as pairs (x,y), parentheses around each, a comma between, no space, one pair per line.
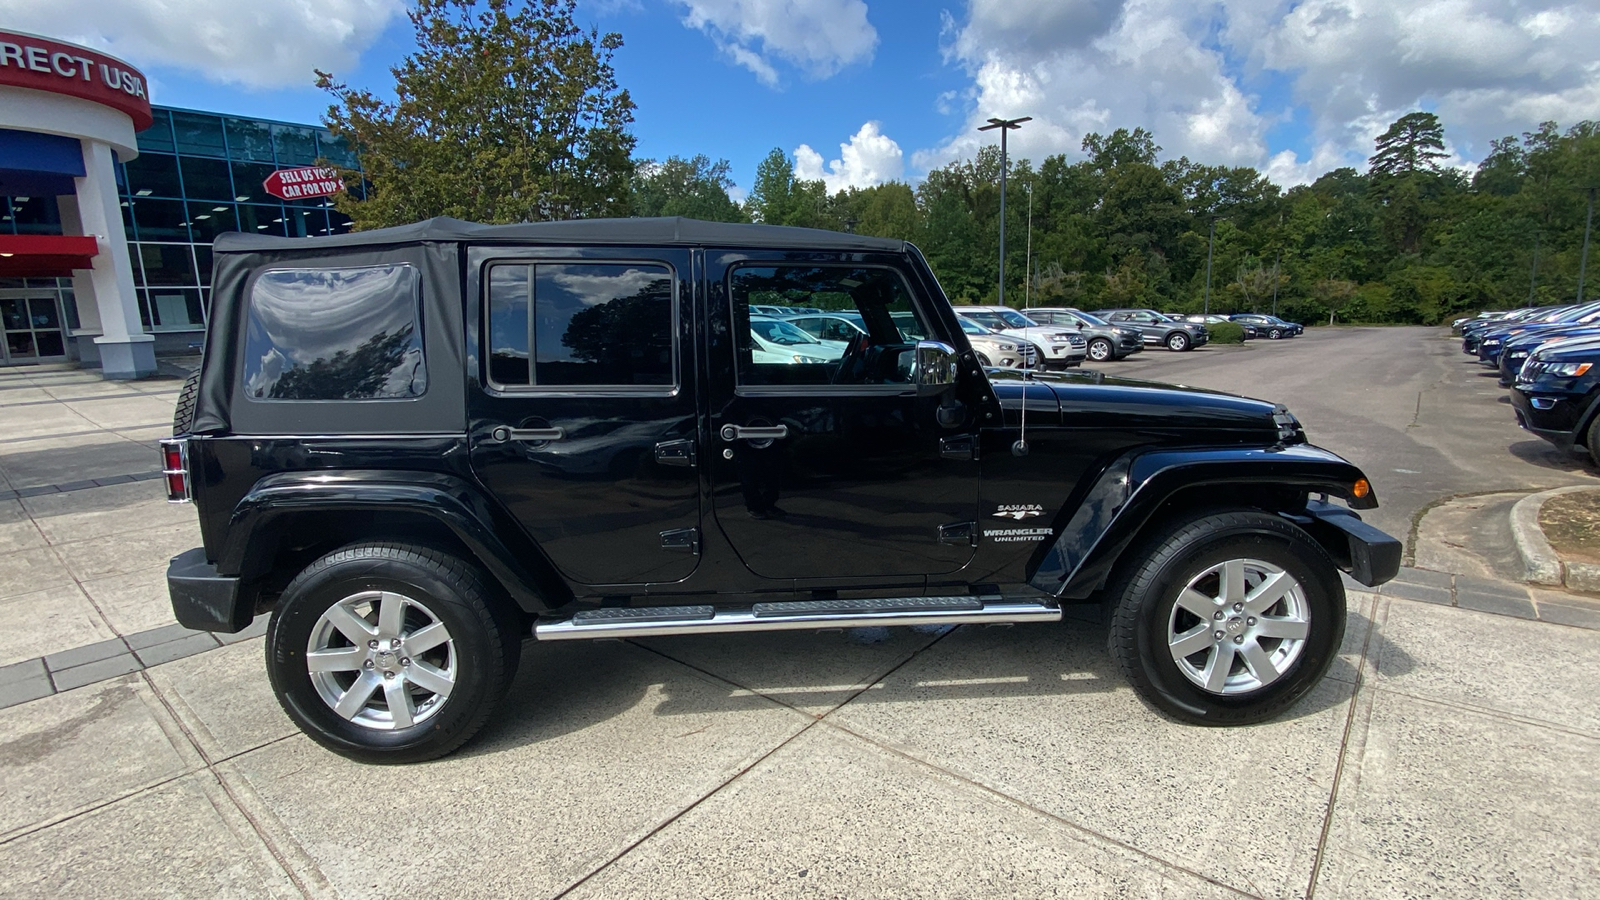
(808,360)
(1567,370)
(1492,342)
(1007,348)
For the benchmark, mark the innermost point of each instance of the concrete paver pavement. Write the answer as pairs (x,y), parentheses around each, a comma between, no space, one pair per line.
(1450,752)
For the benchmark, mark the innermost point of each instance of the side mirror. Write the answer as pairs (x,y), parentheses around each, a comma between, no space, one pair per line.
(935,367)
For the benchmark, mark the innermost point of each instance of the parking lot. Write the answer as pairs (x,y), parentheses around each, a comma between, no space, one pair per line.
(1450,752)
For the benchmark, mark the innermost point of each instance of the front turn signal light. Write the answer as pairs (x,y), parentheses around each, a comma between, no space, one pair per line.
(1361,489)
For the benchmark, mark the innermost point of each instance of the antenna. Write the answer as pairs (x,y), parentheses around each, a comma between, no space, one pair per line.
(1020,448)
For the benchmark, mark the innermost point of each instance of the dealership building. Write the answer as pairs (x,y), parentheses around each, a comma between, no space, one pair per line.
(109,205)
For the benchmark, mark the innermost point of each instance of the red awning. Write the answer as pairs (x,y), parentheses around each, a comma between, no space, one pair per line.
(45,255)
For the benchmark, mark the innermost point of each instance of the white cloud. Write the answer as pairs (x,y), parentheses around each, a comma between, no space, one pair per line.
(1184,71)
(263,44)
(869,158)
(819,37)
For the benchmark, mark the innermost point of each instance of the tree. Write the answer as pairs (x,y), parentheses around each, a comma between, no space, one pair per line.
(1334,293)
(1120,148)
(696,188)
(506,112)
(1413,143)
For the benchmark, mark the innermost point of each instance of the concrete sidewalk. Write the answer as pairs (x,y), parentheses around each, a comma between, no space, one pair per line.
(1451,752)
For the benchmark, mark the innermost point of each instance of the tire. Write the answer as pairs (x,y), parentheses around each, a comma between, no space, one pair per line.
(1275,334)
(983,359)
(1177,341)
(183,413)
(1592,440)
(1101,350)
(448,691)
(1270,671)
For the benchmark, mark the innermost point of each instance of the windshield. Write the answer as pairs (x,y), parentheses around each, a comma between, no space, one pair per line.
(971,327)
(781,333)
(1016,320)
(1092,320)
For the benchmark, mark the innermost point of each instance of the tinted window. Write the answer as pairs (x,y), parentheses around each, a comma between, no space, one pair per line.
(591,325)
(772,352)
(335,334)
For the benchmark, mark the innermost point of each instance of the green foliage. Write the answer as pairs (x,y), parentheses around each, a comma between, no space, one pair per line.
(506,112)
(1226,333)
(696,188)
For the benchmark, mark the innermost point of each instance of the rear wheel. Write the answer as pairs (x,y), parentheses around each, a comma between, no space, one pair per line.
(1227,618)
(1100,350)
(390,653)
(1178,341)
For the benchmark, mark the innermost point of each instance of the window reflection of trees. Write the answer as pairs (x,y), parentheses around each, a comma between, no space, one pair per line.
(385,365)
(625,340)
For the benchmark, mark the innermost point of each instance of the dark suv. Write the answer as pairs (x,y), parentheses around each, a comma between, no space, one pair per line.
(1106,341)
(1157,329)
(418,447)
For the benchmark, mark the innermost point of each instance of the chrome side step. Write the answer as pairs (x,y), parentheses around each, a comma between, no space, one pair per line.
(797,615)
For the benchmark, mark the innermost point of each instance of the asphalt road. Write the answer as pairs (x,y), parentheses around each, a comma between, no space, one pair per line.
(1424,421)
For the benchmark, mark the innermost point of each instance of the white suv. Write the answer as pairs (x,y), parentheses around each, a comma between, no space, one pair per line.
(1061,347)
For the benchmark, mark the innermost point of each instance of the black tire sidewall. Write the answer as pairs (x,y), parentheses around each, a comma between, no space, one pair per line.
(1106,350)
(1174,564)
(482,663)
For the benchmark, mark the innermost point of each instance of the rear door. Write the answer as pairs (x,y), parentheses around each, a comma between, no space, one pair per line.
(583,412)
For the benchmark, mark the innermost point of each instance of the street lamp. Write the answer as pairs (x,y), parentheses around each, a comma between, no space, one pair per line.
(1004,125)
(1210,243)
(1027,267)
(1583,261)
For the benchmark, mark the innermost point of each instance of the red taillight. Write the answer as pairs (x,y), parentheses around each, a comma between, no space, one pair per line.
(175,468)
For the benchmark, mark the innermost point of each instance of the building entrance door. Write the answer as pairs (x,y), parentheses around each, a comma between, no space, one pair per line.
(34,328)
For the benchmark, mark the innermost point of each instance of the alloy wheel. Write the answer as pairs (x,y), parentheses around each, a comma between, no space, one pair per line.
(381,660)
(1238,626)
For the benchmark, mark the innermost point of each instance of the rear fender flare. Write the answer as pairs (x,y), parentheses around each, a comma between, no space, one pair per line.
(1132,488)
(500,546)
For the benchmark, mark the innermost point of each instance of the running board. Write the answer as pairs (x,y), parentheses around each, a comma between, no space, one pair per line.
(798,615)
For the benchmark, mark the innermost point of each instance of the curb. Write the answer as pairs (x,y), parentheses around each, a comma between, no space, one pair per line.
(1540,563)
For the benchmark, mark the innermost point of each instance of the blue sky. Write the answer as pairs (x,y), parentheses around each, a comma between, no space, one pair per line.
(1292,87)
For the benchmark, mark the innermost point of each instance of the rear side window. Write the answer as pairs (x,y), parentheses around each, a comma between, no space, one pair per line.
(580,325)
(335,334)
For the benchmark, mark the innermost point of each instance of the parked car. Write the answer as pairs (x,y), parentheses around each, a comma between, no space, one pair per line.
(1270,327)
(372,445)
(1060,347)
(1105,340)
(1492,341)
(778,341)
(1473,332)
(1250,332)
(1555,393)
(992,349)
(1516,349)
(1158,330)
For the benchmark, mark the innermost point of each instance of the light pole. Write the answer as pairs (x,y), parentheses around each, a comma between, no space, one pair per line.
(1004,125)
(1583,260)
(1533,274)
(1210,243)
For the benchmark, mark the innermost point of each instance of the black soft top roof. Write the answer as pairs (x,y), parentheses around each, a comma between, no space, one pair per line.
(661,231)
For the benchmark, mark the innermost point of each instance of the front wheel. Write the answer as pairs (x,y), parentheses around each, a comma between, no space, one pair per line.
(1100,350)
(1228,618)
(1178,341)
(1275,334)
(983,359)
(390,653)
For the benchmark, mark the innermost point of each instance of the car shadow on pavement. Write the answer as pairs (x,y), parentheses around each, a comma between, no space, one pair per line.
(1545,455)
(565,688)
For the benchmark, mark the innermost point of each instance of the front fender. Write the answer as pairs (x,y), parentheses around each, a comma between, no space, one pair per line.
(1130,490)
(448,500)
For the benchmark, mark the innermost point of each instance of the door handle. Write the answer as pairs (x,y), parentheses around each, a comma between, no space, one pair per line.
(502,434)
(754,432)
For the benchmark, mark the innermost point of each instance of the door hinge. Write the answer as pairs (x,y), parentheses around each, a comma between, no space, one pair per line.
(959,533)
(959,446)
(675,453)
(685,539)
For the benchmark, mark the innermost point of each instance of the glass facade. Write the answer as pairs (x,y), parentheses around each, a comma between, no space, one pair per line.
(198,175)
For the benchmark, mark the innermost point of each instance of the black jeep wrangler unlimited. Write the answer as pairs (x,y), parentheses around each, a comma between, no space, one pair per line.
(417,447)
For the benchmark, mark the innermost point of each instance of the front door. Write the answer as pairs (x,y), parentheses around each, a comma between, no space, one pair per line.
(34,330)
(825,462)
(583,412)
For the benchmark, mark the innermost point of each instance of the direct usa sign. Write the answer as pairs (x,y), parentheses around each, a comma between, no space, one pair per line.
(28,61)
(306,181)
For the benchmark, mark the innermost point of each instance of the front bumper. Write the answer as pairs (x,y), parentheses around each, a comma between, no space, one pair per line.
(204,600)
(1371,556)
(1551,416)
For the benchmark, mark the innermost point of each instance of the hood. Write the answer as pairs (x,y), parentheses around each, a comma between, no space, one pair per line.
(1094,400)
(1573,349)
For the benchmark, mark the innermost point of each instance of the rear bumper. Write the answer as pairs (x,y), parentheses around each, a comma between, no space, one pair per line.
(1369,555)
(204,600)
